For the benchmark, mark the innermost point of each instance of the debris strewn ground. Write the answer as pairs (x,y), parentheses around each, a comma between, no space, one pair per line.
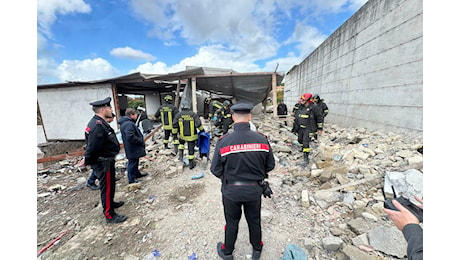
(332,210)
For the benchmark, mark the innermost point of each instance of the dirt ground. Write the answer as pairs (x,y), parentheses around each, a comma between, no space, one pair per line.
(170,215)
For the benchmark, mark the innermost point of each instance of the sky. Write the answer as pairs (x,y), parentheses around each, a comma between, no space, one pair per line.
(84,40)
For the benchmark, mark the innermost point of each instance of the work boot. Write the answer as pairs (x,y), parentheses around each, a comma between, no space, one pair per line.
(92,186)
(176,148)
(256,254)
(116,205)
(220,252)
(166,146)
(181,155)
(305,161)
(191,164)
(116,218)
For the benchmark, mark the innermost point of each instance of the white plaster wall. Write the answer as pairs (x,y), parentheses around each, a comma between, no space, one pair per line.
(66,111)
(370,70)
(152,103)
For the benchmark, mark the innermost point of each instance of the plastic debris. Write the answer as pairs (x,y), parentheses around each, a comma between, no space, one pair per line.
(156,253)
(192,257)
(198,176)
(152,198)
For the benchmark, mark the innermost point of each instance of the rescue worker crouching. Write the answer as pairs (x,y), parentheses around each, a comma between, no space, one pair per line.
(224,116)
(310,121)
(167,112)
(185,124)
(214,105)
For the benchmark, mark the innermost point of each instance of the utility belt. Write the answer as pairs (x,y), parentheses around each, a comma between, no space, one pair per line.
(102,166)
(242,183)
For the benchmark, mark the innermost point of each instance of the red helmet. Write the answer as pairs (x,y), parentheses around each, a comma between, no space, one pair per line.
(306,96)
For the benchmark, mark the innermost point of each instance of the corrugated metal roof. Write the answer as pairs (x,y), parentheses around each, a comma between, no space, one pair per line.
(248,86)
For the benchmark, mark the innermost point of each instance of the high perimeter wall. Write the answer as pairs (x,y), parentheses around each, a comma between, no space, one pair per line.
(370,70)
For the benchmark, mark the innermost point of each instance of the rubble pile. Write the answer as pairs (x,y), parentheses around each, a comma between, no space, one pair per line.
(333,209)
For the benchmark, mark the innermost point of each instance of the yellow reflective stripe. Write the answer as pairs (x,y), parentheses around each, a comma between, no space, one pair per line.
(191,157)
(304,116)
(306,150)
(181,146)
(175,141)
(165,141)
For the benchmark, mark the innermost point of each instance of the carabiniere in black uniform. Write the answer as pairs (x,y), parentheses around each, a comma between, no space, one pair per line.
(101,148)
(242,159)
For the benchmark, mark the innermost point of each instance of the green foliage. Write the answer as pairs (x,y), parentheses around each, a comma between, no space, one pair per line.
(134,103)
(279,96)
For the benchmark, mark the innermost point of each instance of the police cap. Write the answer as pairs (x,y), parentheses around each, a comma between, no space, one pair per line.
(242,107)
(102,103)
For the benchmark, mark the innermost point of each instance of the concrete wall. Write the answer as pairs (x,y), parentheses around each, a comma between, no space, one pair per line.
(66,111)
(370,70)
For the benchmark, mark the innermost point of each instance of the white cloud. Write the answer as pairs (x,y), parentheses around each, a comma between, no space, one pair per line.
(207,56)
(307,38)
(47,11)
(85,70)
(130,53)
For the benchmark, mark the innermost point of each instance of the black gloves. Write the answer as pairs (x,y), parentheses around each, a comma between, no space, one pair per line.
(266,190)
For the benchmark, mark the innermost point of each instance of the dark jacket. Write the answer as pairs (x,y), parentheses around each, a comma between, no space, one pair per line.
(413,234)
(323,107)
(282,109)
(242,155)
(133,140)
(167,112)
(101,140)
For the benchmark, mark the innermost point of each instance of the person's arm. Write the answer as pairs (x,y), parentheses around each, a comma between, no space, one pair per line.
(405,221)
(413,234)
(216,165)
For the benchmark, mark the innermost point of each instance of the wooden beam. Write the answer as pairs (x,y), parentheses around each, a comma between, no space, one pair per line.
(274,95)
(194,106)
(82,152)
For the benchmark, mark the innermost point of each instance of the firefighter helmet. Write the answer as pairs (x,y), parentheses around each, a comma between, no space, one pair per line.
(168,98)
(207,100)
(306,96)
(226,103)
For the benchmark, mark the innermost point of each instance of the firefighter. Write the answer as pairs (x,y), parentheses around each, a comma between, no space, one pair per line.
(167,112)
(186,123)
(310,121)
(214,105)
(224,117)
(320,103)
(295,127)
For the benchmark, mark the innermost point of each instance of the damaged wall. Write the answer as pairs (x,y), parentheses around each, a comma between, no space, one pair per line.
(370,70)
(66,111)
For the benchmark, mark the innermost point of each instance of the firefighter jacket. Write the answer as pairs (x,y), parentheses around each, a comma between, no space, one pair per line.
(101,140)
(224,116)
(213,107)
(323,107)
(186,124)
(242,155)
(309,117)
(167,112)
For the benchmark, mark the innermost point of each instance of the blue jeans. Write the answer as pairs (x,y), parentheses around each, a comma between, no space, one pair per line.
(92,178)
(133,170)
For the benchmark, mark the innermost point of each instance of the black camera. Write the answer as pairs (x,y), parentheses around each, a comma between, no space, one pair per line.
(414,209)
